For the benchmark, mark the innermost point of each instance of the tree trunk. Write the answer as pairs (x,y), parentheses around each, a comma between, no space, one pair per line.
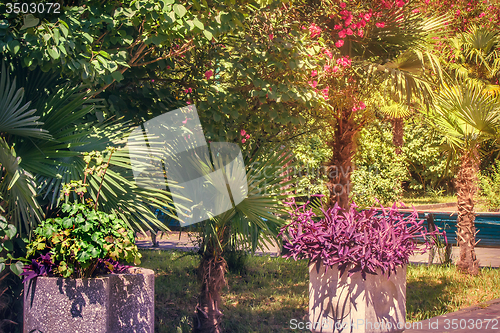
(397,134)
(340,165)
(208,317)
(466,231)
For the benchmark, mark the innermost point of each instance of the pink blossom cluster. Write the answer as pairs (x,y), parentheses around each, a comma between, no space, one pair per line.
(208,74)
(344,61)
(188,90)
(352,25)
(244,135)
(358,106)
(314,30)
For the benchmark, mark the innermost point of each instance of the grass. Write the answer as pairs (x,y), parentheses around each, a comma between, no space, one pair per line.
(435,290)
(428,200)
(269,292)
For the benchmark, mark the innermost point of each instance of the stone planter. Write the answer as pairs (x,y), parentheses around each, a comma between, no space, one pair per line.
(113,303)
(351,304)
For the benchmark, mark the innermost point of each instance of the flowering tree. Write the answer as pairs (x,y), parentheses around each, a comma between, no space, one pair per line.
(358,47)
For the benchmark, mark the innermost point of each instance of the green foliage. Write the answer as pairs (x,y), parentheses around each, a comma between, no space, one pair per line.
(311,154)
(426,161)
(8,239)
(489,184)
(379,171)
(77,240)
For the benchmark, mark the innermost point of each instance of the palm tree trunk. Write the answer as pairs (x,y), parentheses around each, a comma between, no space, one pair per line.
(339,167)
(208,316)
(466,231)
(397,134)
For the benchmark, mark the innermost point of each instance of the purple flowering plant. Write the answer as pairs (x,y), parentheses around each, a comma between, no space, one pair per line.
(358,240)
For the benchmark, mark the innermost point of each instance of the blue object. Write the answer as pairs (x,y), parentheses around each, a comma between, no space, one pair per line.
(487,225)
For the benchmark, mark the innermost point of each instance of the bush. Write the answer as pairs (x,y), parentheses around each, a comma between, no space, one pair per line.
(81,244)
(379,171)
(426,161)
(489,184)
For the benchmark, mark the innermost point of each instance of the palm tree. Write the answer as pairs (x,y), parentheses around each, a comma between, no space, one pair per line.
(252,224)
(467,115)
(17,185)
(475,55)
(390,49)
(50,139)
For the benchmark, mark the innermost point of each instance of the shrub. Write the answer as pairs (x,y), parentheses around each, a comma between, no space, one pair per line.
(362,241)
(489,184)
(379,171)
(82,244)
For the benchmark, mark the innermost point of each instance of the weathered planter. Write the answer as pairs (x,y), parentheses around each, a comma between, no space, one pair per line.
(351,304)
(113,303)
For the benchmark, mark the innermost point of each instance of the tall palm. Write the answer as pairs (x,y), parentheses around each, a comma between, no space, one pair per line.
(253,223)
(467,116)
(392,51)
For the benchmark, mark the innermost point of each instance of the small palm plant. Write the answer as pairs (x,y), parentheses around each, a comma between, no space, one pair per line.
(467,116)
(253,223)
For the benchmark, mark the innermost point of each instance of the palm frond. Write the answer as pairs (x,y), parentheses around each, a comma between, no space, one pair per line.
(17,190)
(17,119)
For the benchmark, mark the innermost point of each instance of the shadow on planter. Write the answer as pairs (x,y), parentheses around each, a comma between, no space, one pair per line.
(345,304)
(113,303)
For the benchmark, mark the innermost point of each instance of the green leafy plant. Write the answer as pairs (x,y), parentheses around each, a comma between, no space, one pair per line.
(489,184)
(83,241)
(7,239)
(379,171)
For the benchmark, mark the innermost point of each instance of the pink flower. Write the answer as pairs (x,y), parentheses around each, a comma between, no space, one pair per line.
(342,33)
(362,24)
(400,3)
(313,84)
(339,43)
(329,54)
(337,27)
(344,61)
(325,93)
(327,68)
(342,5)
(271,36)
(153,80)
(243,132)
(361,33)
(482,14)
(380,24)
(314,73)
(314,30)
(362,106)
(335,69)
(243,141)
(348,21)
(458,11)
(208,74)
(188,102)
(247,136)
(416,10)
(349,31)
(367,16)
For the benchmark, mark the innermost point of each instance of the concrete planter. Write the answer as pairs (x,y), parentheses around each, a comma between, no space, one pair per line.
(110,304)
(351,304)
